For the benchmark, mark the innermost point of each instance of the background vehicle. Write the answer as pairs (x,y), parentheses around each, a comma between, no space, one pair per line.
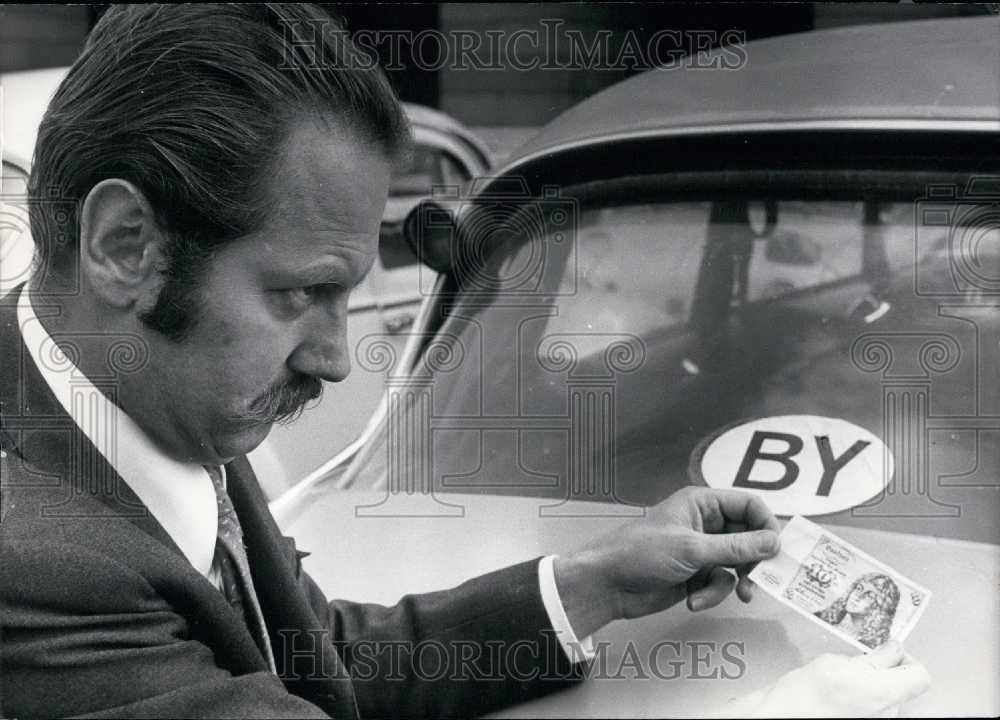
(811,236)
(445,153)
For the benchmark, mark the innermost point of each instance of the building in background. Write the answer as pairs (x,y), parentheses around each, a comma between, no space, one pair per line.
(528,77)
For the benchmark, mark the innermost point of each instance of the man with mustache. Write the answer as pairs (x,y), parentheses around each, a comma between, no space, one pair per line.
(285,401)
(206,192)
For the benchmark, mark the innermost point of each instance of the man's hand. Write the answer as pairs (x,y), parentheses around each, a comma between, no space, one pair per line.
(840,686)
(681,549)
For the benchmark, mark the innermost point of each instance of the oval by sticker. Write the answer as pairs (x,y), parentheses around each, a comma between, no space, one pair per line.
(800,464)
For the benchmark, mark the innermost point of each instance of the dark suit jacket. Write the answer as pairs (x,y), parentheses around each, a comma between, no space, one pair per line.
(101,614)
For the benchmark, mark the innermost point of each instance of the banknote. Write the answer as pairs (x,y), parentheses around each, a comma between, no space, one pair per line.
(840,587)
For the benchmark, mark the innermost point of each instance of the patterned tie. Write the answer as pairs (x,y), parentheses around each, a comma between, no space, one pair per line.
(231,556)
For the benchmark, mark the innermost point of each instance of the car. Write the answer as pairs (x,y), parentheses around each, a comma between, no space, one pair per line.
(782,278)
(444,154)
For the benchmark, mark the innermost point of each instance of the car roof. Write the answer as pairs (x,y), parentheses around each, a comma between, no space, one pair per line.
(883,75)
(429,117)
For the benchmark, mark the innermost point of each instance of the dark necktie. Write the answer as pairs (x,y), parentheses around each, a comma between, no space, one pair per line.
(231,556)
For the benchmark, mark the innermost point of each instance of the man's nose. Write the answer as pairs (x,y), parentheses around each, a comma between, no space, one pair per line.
(325,357)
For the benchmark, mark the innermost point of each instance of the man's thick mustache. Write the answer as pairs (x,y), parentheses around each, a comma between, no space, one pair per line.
(284,402)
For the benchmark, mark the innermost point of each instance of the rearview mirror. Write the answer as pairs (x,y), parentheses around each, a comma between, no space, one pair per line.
(792,248)
(762,217)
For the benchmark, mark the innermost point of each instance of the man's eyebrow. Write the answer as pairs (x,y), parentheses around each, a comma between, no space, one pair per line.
(336,272)
(319,274)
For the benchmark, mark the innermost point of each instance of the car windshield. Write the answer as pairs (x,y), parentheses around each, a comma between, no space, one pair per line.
(596,363)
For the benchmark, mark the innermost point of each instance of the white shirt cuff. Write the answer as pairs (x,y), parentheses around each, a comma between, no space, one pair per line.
(576,650)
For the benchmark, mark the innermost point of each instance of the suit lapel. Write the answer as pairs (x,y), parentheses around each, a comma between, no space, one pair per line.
(306,659)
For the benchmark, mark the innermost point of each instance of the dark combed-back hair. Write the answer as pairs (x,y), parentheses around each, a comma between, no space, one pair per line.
(191,104)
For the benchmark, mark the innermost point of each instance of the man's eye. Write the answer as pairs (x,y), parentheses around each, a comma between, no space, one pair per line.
(302,294)
(303,297)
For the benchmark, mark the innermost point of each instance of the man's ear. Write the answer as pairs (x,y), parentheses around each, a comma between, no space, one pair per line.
(120,243)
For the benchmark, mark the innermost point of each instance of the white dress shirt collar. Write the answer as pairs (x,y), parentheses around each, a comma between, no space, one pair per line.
(179,495)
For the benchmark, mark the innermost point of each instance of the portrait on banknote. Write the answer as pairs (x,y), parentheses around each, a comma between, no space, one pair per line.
(841,587)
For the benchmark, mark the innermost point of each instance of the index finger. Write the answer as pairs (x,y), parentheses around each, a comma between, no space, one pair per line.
(736,506)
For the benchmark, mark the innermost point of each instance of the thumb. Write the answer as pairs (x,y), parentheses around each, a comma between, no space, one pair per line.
(887,656)
(732,549)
